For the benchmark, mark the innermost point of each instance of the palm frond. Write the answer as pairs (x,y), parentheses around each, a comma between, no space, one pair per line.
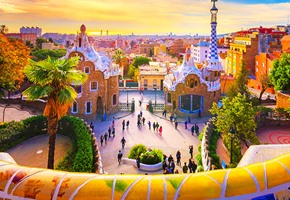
(66,95)
(37,91)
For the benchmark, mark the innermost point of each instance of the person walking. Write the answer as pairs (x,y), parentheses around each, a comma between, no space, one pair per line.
(120,155)
(123,124)
(143,120)
(172,166)
(102,140)
(191,151)
(138,162)
(185,125)
(109,131)
(194,166)
(127,124)
(154,126)
(92,126)
(192,129)
(123,141)
(190,165)
(196,127)
(160,131)
(185,168)
(157,126)
(113,132)
(149,125)
(176,124)
(178,157)
(106,137)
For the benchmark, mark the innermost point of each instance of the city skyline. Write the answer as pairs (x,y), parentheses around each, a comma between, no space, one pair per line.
(146,17)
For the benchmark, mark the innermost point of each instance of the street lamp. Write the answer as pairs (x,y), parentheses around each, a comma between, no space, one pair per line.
(127,97)
(155,97)
(232,132)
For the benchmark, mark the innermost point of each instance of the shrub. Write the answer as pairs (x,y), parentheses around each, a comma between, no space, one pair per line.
(137,150)
(201,135)
(151,156)
(200,168)
(198,159)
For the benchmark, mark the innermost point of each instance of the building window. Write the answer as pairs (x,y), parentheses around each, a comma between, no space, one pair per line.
(168,97)
(263,65)
(214,94)
(145,82)
(154,82)
(74,108)
(195,83)
(191,84)
(257,69)
(114,99)
(257,62)
(94,86)
(206,78)
(88,107)
(87,70)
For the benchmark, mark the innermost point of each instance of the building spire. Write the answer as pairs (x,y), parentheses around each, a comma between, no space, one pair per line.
(213,61)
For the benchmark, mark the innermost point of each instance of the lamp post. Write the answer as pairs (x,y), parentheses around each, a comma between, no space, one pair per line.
(127,97)
(232,132)
(155,97)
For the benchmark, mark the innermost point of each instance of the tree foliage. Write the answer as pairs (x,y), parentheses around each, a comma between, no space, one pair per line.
(118,56)
(280,73)
(132,71)
(39,42)
(14,56)
(138,61)
(52,78)
(239,114)
(3,29)
(240,84)
(43,54)
(266,83)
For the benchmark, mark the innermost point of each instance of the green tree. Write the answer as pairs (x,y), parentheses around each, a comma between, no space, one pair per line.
(43,54)
(138,61)
(150,53)
(239,114)
(266,83)
(118,56)
(14,56)
(240,84)
(131,71)
(39,42)
(280,73)
(3,29)
(52,78)
(29,44)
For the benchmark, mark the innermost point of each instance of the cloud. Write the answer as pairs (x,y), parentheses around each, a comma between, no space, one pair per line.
(147,16)
(6,7)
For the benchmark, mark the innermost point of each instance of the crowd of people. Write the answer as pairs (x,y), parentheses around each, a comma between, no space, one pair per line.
(169,164)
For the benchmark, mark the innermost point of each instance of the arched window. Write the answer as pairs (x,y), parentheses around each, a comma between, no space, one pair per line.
(87,70)
(74,108)
(114,99)
(94,86)
(191,83)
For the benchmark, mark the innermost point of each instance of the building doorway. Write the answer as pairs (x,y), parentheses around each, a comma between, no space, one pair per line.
(161,84)
(100,107)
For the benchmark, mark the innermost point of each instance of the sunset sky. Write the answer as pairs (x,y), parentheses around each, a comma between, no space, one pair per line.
(141,16)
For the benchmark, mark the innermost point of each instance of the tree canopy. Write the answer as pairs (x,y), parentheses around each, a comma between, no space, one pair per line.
(43,54)
(39,42)
(236,113)
(3,29)
(14,56)
(240,84)
(138,61)
(280,73)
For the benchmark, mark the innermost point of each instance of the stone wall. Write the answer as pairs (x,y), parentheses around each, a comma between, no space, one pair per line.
(283,100)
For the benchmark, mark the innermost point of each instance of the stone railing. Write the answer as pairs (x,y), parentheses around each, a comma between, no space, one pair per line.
(205,147)
(98,166)
(257,180)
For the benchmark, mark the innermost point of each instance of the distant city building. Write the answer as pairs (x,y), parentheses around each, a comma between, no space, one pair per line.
(147,49)
(100,94)
(36,30)
(190,90)
(23,36)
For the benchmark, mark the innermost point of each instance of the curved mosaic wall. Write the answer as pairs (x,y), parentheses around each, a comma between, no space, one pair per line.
(19,182)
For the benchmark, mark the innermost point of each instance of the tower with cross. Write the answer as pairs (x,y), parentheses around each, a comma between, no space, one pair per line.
(213,61)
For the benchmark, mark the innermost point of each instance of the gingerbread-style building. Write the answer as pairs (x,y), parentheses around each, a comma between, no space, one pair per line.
(99,95)
(190,90)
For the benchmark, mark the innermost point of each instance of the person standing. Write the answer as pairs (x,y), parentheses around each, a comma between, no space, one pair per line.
(143,120)
(123,124)
(102,140)
(185,168)
(149,124)
(192,129)
(194,166)
(120,155)
(154,126)
(172,166)
(176,124)
(191,151)
(178,157)
(185,125)
(160,131)
(138,162)
(190,165)
(157,126)
(92,126)
(106,137)
(123,141)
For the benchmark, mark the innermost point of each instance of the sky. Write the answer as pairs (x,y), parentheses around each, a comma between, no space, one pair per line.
(142,16)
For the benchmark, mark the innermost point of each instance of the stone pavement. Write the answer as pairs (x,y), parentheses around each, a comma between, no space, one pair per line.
(15,112)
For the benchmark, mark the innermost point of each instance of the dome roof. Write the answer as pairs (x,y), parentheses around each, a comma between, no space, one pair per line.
(285,38)
(83,28)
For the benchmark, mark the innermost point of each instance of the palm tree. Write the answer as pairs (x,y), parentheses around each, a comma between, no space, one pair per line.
(119,58)
(52,78)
